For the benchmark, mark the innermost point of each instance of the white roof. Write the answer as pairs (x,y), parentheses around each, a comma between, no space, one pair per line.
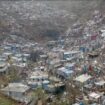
(19,64)
(16,87)
(3,64)
(100,83)
(70,58)
(62,68)
(70,64)
(38,74)
(55,61)
(18,55)
(26,54)
(3,69)
(94,95)
(17,58)
(7,53)
(46,82)
(83,78)
(103,30)
(76,104)
(71,52)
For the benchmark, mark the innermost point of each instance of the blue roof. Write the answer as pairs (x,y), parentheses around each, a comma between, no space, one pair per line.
(68,71)
(70,64)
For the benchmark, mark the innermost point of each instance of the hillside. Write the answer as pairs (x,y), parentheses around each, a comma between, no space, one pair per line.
(43,20)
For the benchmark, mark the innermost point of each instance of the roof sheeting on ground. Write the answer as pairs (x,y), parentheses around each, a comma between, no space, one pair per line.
(16,87)
(94,95)
(83,78)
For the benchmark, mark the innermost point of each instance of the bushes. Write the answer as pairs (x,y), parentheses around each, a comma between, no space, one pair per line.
(35,55)
(53,34)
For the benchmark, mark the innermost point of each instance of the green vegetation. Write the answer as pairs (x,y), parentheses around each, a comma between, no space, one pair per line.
(6,101)
(41,95)
(12,76)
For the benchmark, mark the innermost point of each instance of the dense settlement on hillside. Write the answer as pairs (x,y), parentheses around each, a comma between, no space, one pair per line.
(59,67)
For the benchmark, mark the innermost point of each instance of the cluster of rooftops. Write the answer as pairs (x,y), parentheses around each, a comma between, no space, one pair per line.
(66,64)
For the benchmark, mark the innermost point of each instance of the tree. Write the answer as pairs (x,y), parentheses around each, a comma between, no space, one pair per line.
(54,34)
(72,91)
(35,55)
(41,95)
(13,74)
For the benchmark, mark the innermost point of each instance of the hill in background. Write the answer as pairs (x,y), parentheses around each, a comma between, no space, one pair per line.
(44,20)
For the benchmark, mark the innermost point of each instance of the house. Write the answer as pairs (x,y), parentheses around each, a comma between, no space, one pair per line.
(71,55)
(100,84)
(93,55)
(6,54)
(37,78)
(18,92)
(55,63)
(70,66)
(61,42)
(54,79)
(51,44)
(3,68)
(76,104)
(19,60)
(20,65)
(55,88)
(26,55)
(53,54)
(83,48)
(43,56)
(64,73)
(102,33)
(83,78)
(3,58)
(95,97)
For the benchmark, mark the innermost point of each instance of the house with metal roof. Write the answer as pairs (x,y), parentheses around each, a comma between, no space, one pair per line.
(18,92)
